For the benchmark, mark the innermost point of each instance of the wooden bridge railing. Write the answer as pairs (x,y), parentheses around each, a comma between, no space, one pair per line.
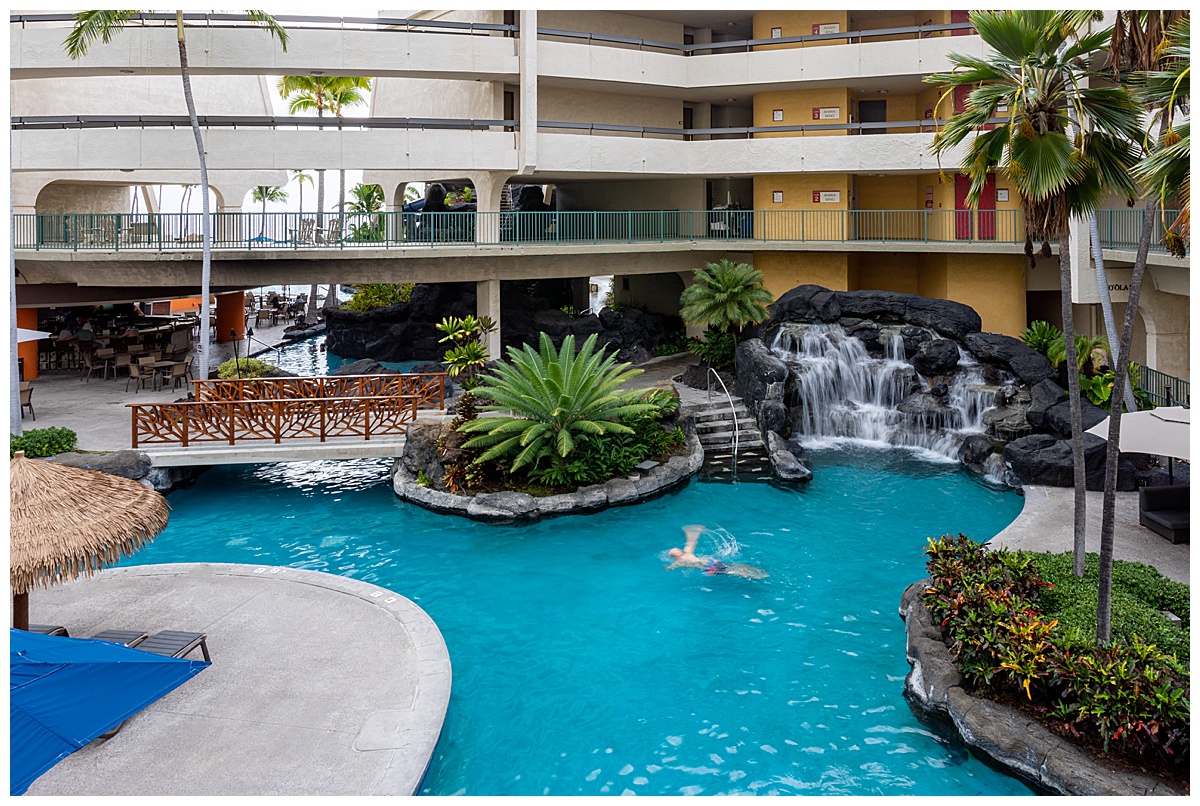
(293,418)
(429,388)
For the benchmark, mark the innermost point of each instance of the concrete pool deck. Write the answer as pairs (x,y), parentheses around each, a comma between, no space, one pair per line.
(320,685)
(1047,523)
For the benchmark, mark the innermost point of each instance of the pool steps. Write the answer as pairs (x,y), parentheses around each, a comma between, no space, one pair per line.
(714,425)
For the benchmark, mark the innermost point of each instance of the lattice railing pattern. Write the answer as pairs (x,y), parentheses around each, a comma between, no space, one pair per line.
(429,388)
(231,421)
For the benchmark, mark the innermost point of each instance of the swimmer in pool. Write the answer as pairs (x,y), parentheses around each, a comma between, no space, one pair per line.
(686,558)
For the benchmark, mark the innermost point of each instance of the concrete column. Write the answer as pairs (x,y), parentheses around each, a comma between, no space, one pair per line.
(1083,274)
(230,228)
(527,58)
(487,303)
(489,187)
(231,315)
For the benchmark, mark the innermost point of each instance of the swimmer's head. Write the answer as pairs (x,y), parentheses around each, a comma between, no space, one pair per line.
(675,552)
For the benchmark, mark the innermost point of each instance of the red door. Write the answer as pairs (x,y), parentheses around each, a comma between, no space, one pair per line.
(960,16)
(987,210)
(962,215)
(960,98)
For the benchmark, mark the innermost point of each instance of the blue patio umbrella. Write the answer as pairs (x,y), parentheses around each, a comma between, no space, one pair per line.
(64,692)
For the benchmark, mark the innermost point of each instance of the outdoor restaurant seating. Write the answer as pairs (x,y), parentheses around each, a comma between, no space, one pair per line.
(91,366)
(176,373)
(27,400)
(139,375)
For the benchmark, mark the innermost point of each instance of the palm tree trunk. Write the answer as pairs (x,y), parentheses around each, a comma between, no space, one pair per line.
(311,307)
(262,230)
(1072,362)
(1110,321)
(205,223)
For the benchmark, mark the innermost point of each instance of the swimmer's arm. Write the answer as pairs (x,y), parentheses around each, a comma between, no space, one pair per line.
(693,535)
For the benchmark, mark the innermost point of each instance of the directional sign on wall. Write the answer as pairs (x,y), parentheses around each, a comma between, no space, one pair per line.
(826,112)
(827,196)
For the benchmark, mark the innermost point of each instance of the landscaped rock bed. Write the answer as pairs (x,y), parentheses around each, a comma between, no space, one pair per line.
(421,457)
(1011,738)
(134,465)
(954,372)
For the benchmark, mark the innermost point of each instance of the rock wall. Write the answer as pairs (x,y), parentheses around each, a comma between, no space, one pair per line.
(1029,429)
(406,331)
(132,465)
(1019,743)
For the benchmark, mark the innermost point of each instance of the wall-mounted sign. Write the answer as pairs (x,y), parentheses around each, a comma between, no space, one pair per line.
(777,196)
(1001,194)
(827,197)
(777,33)
(826,28)
(826,112)
(777,114)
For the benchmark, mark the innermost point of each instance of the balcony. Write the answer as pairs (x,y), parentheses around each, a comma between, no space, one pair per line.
(78,232)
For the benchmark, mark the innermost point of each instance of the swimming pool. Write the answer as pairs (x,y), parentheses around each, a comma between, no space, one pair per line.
(309,357)
(582,667)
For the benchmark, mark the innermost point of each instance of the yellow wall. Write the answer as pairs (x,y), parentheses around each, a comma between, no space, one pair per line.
(797,106)
(889,271)
(783,271)
(994,285)
(826,221)
(797,23)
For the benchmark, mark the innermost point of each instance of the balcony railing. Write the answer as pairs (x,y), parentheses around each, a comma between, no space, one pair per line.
(176,231)
(1164,389)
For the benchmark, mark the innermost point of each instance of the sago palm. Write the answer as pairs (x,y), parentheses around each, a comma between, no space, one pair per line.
(556,400)
(264,194)
(104,25)
(726,296)
(1063,142)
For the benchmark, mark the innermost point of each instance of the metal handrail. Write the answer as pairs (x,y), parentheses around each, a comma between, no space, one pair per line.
(737,430)
(385,24)
(39,122)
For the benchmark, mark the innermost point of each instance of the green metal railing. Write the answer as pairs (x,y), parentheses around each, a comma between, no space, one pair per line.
(1121,229)
(1164,389)
(249,230)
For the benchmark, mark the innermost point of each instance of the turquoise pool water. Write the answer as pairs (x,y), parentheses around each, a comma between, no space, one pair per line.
(582,667)
(309,357)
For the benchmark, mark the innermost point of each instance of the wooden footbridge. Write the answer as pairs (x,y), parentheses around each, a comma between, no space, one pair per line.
(286,419)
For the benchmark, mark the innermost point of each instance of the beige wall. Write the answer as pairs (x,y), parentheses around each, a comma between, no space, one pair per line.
(612,24)
(572,105)
(655,293)
(797,106)
(418,98)
(783,271)
(61,197)
(140,95)
(797,23)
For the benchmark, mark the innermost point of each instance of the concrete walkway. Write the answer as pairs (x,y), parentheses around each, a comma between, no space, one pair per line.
(319,685)
(1047,523)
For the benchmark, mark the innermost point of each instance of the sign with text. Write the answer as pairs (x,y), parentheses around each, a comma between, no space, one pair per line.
(826,28)
(777,196)
(827,197)
(826,112)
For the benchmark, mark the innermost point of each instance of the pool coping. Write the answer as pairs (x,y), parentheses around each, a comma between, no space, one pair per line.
(408,731)
(507,507)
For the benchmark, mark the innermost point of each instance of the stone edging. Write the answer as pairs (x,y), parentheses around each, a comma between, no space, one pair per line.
(1016,741)
(511,506)
(409,734)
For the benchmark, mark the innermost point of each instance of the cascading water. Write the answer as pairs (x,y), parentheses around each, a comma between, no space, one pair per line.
(840,393)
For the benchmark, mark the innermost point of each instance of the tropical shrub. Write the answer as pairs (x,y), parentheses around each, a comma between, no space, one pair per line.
(676,342)
(1014,633)
(1098,389)
(557,401)
(244,368)
(717,349)
(1091,353)
(726,296)
(378,295)
(40,442)
(1040,335)
(467,358)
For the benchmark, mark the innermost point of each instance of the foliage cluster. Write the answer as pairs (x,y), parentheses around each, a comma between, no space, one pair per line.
(40,442)
(564,421)
(378,295)
(716,349)
(677,342)
(1129,696)
(1096,377)
(467,358)
(244,368)
(725,297)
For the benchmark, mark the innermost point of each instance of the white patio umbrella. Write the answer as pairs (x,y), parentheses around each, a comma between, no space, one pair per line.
(1163,431)
(24,334)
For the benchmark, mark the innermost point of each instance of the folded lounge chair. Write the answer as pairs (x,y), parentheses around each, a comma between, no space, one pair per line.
(126,637)
(49,629)
(171,643)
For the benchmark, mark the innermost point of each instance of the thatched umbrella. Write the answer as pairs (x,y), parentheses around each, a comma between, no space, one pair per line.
(67,523)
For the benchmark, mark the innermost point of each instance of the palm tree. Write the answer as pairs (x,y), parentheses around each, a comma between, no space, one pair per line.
(726,296)
(1157,46)
(264,194)
(335,93)
(300,177)
(104,25)
(1040,74)
(185,201)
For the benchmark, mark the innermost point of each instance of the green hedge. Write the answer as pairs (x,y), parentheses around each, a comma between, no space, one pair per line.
(39,442)
(1000,619)
(244,368)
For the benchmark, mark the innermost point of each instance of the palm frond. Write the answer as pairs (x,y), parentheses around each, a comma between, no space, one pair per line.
(92,25)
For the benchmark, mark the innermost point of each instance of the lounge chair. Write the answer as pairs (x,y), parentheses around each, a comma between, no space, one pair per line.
(175,644)
(49,629)
(1167,510)
(126,637)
